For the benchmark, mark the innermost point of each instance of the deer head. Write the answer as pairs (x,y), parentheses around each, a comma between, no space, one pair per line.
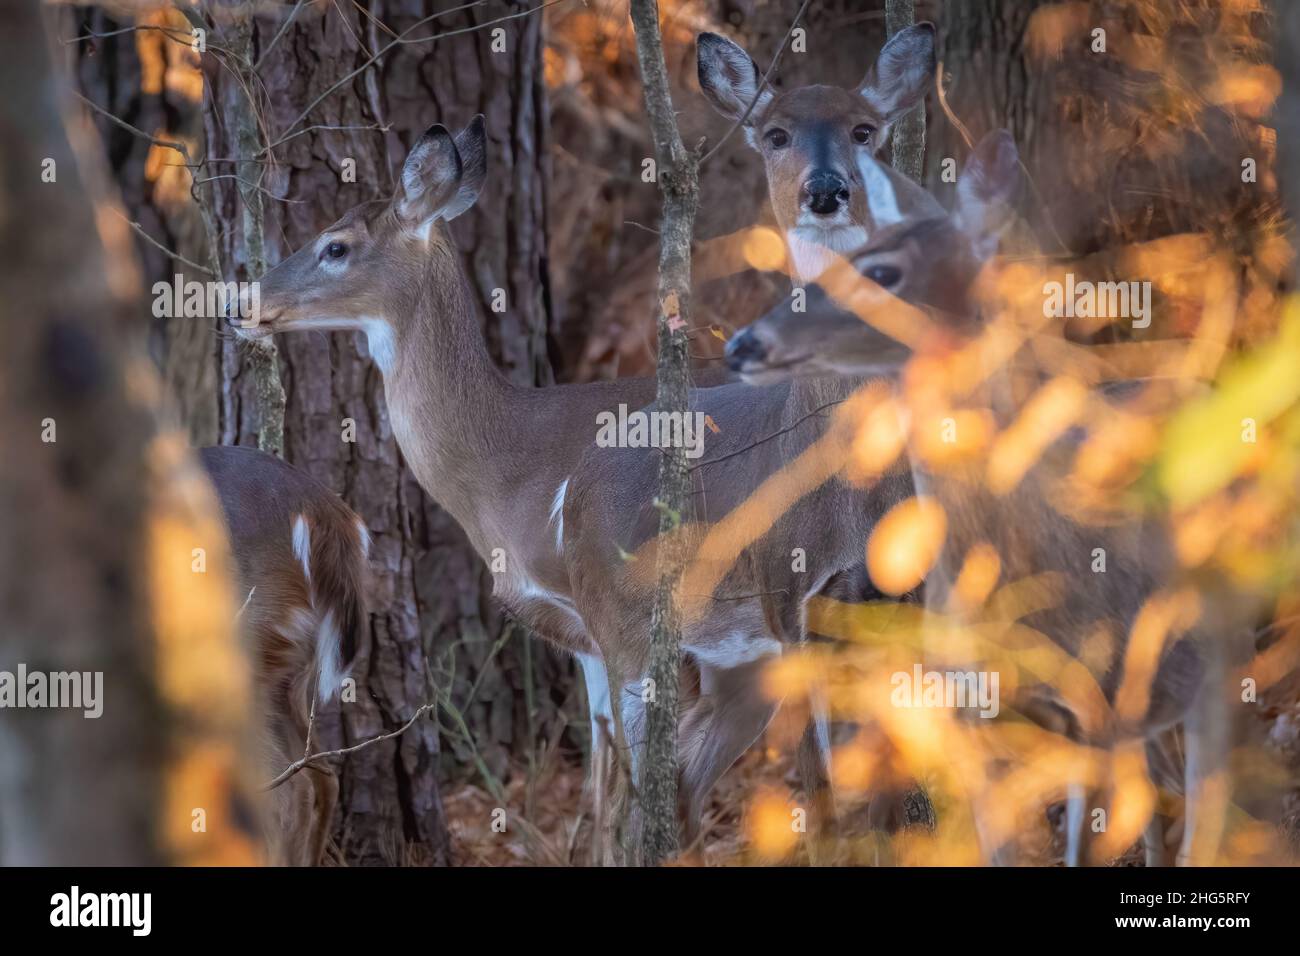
(928,261)
(812,138)
(368,270)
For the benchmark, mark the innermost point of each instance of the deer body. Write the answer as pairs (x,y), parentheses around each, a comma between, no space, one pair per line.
(1024,523)
(502,460)
(301,559)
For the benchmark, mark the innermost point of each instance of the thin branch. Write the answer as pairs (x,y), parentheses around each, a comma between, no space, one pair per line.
(776,434)
(375,127)
(762,85)
(139,231)
(279,33)
(404,38)
(299,765)
(251,185)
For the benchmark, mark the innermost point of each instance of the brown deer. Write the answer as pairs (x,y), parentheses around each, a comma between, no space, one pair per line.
(500,458)
(932,262)
(301,558)
(813,138)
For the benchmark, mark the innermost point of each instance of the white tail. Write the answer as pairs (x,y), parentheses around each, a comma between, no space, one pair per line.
(302,556)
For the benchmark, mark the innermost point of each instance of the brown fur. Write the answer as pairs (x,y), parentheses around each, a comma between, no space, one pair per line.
(261,497)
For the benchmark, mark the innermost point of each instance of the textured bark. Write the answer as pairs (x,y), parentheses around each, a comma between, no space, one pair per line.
(909,133)
(431,595)
(678,178)
(142,77)
(82,505)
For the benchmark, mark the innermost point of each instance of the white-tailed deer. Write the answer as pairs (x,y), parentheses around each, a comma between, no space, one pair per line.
(502,459)
(813,139)
(933,263)
(301,559)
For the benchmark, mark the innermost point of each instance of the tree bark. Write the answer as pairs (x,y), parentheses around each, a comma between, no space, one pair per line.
(678,177)
(433,620)
(100,511)
(909,132)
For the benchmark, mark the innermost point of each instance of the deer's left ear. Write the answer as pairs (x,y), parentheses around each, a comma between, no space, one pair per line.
(431,177)
(471,144)
(898,79)
(985,190)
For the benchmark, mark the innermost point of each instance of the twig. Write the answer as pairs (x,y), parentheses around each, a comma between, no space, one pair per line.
(762,84)
(403,38)
(776,434)
(139,231)
(279,33)
(298,765)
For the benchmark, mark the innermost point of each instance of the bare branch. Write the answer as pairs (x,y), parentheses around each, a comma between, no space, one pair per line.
(139,231)
(299,765)
(762,85)
(404,38)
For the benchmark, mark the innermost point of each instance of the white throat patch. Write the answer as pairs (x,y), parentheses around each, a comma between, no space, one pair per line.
(381,341)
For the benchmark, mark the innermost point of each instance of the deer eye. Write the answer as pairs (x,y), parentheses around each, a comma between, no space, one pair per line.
(336,250)
(777,138)
(884,276)
(862,134)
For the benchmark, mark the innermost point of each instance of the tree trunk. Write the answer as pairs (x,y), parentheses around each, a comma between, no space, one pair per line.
(678,176)
(909,133)
(432,611)
(101,512)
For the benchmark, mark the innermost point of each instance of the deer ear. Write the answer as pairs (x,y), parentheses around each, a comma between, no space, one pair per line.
(430,177)
(985,190)
(728,77)
(898,79)
(471,144)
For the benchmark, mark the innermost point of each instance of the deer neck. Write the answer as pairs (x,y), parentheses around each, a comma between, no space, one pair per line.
(450,406)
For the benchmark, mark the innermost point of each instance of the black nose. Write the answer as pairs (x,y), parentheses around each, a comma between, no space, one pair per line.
(825,192)
(744,347)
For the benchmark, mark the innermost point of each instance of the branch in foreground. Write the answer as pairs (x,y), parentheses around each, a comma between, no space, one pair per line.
(678,177)
(302,763)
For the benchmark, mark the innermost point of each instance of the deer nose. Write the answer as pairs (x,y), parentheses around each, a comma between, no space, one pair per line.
(825,192)
(745,347)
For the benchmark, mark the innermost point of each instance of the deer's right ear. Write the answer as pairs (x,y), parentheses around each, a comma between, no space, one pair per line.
(431,177)
(985,190)
(729,78)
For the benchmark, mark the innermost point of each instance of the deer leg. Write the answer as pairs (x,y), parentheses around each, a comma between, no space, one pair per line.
(1153,840)
(740,714)
(601,714)
(1205,789)
(814,764)
(325,795)
(1076,825)
(1206,794)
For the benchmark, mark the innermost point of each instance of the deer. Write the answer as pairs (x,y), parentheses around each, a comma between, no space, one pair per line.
(818,144)
(499,458)
(812,139)
(301,560)
(933,263)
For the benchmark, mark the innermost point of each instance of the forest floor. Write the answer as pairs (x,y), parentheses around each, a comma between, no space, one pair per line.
(549,823)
